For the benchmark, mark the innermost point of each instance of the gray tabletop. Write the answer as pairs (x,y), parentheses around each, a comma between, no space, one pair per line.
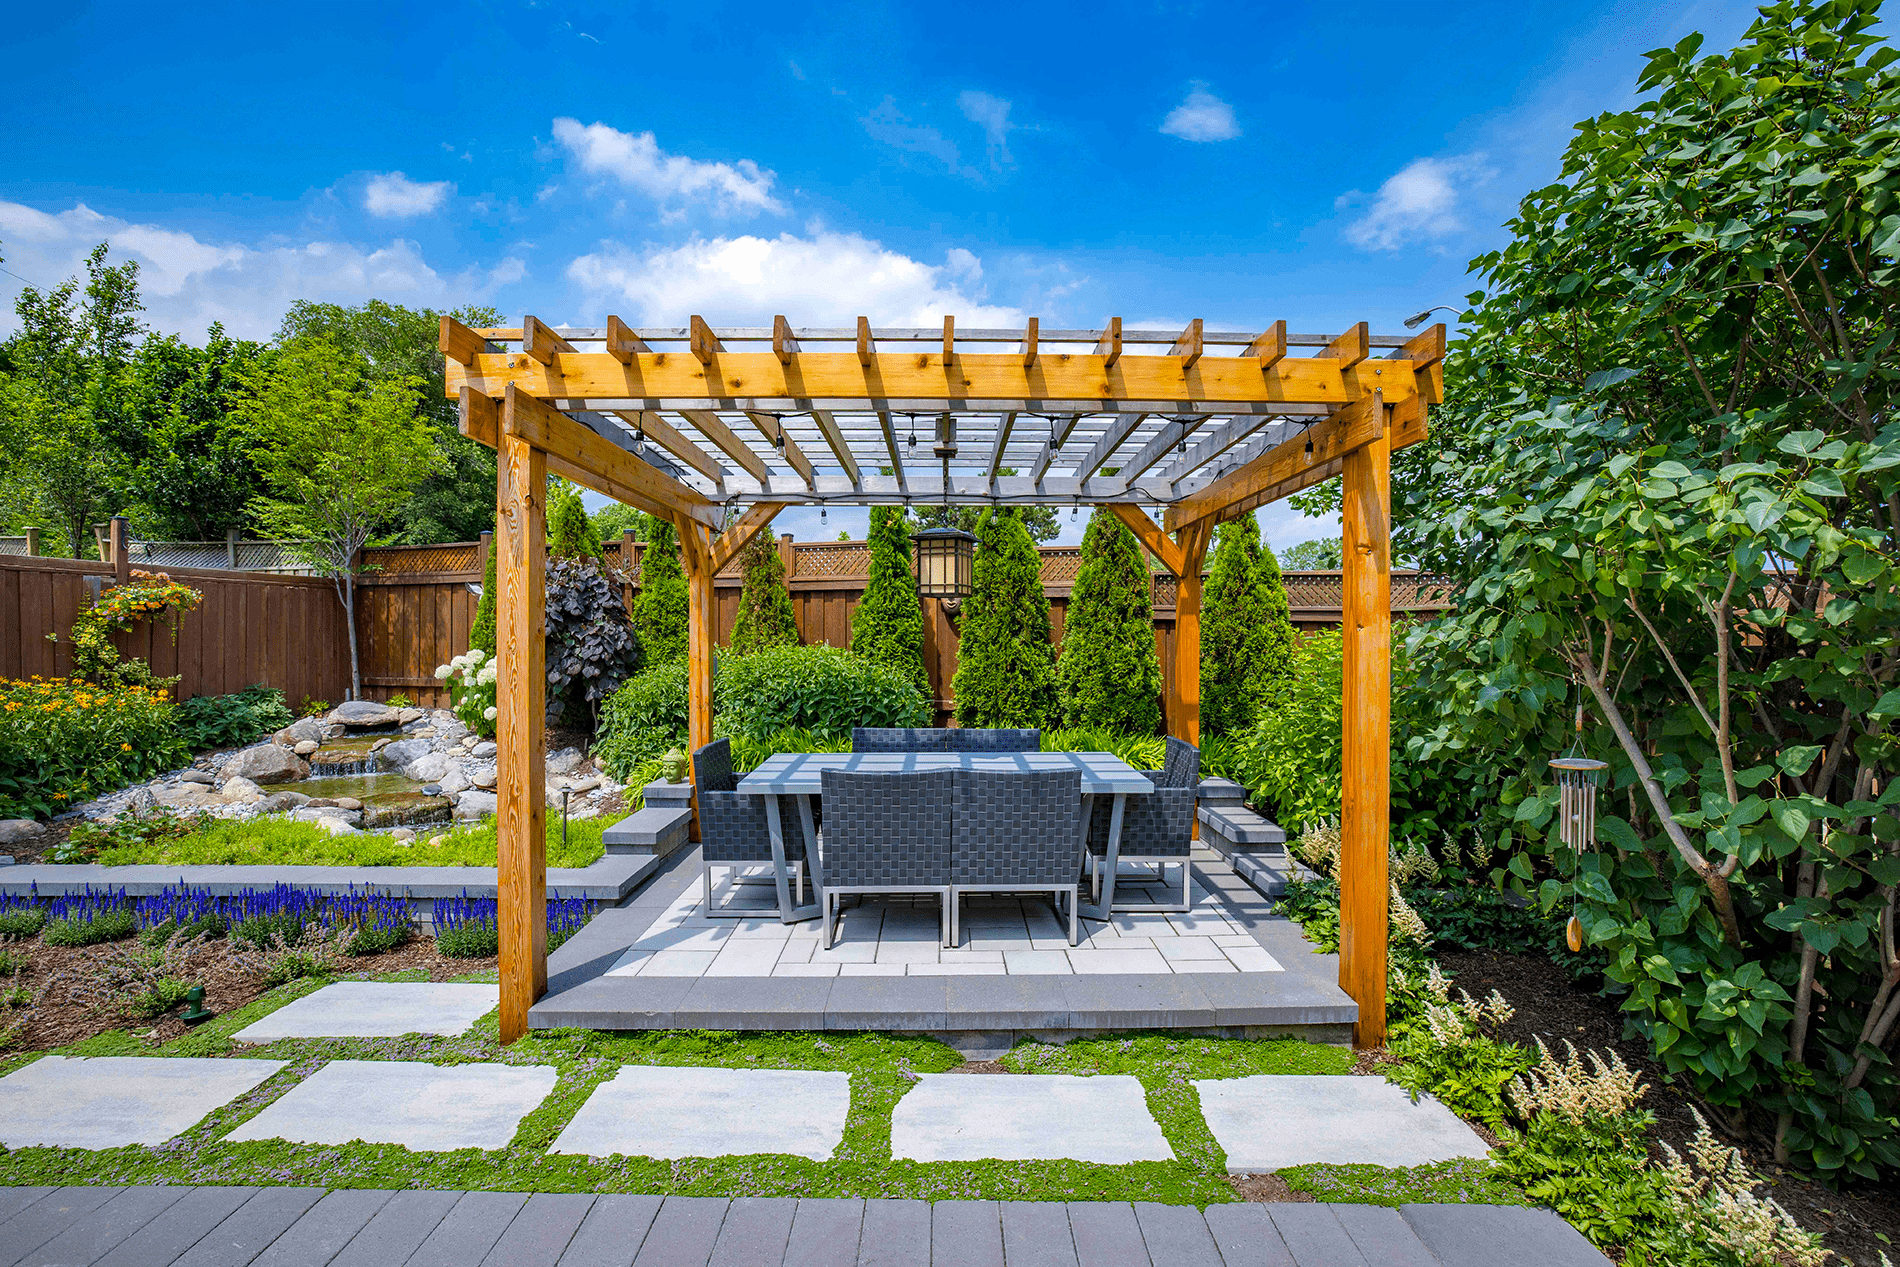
(800,773)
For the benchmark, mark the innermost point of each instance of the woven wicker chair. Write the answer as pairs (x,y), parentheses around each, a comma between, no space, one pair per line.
(1016,833)
(1157,828)
(974,740)
(733,832)
(899,739)
(886,833)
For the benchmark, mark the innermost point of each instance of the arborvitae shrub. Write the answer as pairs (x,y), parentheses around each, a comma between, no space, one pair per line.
(888,626)
(571,535)
(659,611)
(1006,667)
(481,634)
(1246,638)
(766,618)
(1109,675)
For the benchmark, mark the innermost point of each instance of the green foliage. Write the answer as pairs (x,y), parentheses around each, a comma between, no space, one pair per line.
(274,841)
(613,521)
(64,741)
(659,610)
(109,924)
(1457,1056)
(231,721)
(1006,668)
(1179,1056)
(1246,636)
(22,921)
(818,689)
(1142,751)
(133,829)
(1591,1172)
(472,940)
(1109,674)
(144,596)
(455,501)
(591,645)
(571,535)
(765,617)
(643,719)
(888,626)
(1464,1181)
(481,633)
(1318,555)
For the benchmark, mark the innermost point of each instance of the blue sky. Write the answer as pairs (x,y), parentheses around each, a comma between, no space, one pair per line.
(1240,163)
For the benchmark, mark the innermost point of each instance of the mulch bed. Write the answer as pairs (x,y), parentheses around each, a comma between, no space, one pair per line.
(53,1020)
(1550,1007)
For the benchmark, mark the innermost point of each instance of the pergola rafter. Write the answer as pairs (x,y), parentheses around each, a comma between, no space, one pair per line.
(1197,425)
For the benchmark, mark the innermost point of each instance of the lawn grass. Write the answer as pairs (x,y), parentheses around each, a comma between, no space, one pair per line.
(267,841)
(883,1069)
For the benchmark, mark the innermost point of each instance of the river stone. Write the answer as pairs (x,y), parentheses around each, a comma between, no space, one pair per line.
(197,776)
(485,749)
(563,761)
(266,763)
(305,747)
(318,814)
(454,781)
(474,804)
(241,789)
(364,714)
(304,728)
(16,831)
(283,802)
(402,752)
(430,768)
(408,715)
(483,778)
(588,784)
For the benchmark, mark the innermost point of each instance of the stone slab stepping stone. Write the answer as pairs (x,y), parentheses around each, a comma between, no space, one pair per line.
(1026,1117)
(377,1009)
(667,1111)
(1273,1120)
(111,1101)
(429,1108)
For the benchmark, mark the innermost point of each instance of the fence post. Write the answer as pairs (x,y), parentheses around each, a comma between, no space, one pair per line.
(626,569)
(787,554)
(230,548)
(481,558)
(33,542)
(121,551)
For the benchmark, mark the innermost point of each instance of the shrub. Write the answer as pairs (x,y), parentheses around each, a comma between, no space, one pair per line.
(1006,668)
(20,916)
(888,626)
(66,740)
(659,611)
(470,678)
(134,828)
(1455,1053)
(571,535)
(765,617)
(1143,752)
(643,719)
(819,689)
(1109,674)
(592,647)
(231,721)
(481,634)
(1246,637)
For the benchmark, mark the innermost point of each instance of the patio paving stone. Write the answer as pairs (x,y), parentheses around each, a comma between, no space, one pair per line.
(434,1108)
(664,1111)
(111,1101)
(1269,1121)
(1010,1117)
(377,1009)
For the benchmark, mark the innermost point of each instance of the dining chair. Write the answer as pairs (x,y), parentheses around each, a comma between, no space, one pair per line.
(1017,832)
(886,832)
(1157,828)
(976,739)
(733,832)
(899,739)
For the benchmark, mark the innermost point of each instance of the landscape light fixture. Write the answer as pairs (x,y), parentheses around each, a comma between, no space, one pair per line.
(1417,319)
(945,562)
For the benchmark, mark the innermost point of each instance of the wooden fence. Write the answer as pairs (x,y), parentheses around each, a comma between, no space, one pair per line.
(415,604)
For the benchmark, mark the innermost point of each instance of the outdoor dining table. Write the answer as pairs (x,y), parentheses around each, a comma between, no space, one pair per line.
(800,775)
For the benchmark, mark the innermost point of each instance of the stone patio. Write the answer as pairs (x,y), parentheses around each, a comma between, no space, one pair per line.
(434,1108)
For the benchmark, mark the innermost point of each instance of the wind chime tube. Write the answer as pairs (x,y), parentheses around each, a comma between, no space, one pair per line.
(1577,779)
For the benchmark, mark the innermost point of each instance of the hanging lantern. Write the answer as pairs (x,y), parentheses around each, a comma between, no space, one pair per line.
(945,562)
(1577,780)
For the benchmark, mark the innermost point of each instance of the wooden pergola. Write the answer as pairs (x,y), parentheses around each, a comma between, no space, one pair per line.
(695,423)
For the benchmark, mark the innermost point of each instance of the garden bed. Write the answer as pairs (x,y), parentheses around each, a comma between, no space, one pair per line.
(276,841)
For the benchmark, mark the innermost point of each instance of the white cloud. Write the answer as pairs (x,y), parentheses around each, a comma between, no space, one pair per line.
(825,279)
(394,196)
(893,127)
(1420,200)
(992,115)
(1201,116)
(188,283)
(741,188)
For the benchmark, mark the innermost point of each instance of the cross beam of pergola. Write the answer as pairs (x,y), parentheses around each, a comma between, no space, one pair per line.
(717,429)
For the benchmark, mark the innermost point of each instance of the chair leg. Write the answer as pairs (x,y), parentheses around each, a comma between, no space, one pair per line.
(827,910)
(1186,868)
(705,874)
(1075,915)
(948,919)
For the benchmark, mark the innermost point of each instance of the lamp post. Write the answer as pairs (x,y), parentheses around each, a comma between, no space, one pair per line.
(1417,319)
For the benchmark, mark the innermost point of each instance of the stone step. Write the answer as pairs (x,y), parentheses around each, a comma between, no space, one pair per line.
(655,830)
(1240,826)
(660,794)
(1221,792)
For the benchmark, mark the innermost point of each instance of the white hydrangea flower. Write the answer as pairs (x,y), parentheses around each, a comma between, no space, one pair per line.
(442,672)
(476,655)
(489,712)
(486,675)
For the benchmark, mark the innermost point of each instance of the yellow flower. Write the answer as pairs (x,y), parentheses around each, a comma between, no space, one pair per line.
(126,747)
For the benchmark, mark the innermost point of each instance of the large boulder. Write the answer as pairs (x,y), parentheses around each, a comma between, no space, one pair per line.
(473,804)
(17,831)
(266,763)
(398,755)
(282,802)
(431,768)
(364,714)
(563,761)
(303,730)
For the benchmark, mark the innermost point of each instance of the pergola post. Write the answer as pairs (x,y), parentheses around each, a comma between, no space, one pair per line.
(1184,689)
(702,623)
(1365,726)
(520,725)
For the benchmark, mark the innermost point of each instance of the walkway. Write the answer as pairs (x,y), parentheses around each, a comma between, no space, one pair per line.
(308,1227)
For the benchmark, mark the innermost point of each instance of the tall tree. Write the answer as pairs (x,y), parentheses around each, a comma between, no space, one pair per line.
(181,434)
(338,452)
(457,502)
(1317,555)
(660,608)
(1005,665)
(571,533)
(1039,520)
(888,625)
(1109,674)
(766,617)
(1246,638)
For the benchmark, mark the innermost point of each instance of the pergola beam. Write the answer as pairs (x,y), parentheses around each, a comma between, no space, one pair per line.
(1166,549)
(931,334)
(540,342)
(1174,432)
(1052,446)
(726,546)
(480,421)
(1119,429)
(773,429)
(709,425)
(890,444)
(663,433)
(834,439)
(1346,429)
(1004,425)
(552,431)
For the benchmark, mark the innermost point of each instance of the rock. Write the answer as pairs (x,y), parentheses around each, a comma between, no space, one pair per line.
(469,741)
(349,802)
(403,834)
(399,754)
(454,732)
(484,750)
(454,781)
(305,747)
(17,831)
(563,761)
(408,715)
(442,716)
(442,839)
(319,814)
(266,763)
(337,826)
(304,728)
(379,745)
(471,805)
(483,778)
(196,775)
(430,768)
(282,802)
(587,784)
(189,797)
(241,789)
(335,731)
(585,811)
(363,714)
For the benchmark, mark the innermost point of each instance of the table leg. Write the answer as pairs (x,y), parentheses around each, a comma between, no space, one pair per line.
(781,869)
(1112,863)
(814,865)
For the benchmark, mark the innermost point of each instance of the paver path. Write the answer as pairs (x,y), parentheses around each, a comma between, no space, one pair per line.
(277,1227)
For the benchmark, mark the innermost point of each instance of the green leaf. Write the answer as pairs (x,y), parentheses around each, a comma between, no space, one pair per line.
(1609,378)
(1797,759)
(1791,818)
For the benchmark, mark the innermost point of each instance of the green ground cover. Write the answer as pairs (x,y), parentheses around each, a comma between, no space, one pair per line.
(278,841)
(882,1068)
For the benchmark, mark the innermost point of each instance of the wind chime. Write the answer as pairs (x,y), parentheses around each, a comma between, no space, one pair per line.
(1578,777)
